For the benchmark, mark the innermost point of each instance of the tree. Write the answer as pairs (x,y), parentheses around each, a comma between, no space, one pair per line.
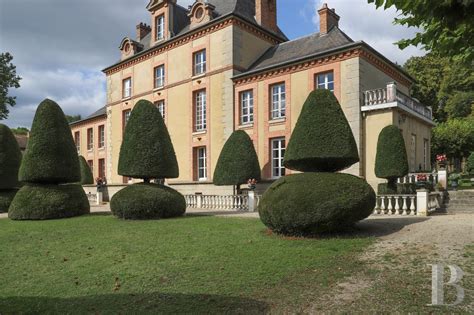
(447,27)
(391,161)
(312,202)
(73,118)
(147,153)
(86,174)
(455,138)
(49,165)
(238,161)
(460,105)
(8,79)
(10,159)
(20,131)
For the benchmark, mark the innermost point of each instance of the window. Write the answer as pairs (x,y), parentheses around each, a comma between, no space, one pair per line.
(246,107)
(277,154)
(101,136)
(160,27)
(201,163)
(91,165)
(426,147)
(77,140)
(278,101)
(200,111)
(325,81)
(161,107)
(413,153)
(125,118)
(159,76)
(102,168)
(90,139)
(127,88)
(200,62)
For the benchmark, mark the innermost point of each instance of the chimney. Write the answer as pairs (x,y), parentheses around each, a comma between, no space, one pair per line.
(327,19)
(266,14)
(142,31)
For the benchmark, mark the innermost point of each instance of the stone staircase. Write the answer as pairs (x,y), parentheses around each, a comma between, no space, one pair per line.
(461,201)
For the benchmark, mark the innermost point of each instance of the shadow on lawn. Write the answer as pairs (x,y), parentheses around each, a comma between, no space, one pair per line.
(133,303)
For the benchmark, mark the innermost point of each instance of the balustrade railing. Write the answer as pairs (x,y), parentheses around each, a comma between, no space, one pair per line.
(396,204)
(413,178)
(223,202)
(434,201)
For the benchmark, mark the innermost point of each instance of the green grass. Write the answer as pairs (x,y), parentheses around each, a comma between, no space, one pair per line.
(99,264)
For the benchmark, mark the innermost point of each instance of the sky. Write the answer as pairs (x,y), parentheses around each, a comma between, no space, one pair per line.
(61,46)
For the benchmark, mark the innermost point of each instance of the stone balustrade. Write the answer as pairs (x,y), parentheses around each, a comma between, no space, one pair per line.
(396,204)
(413,178)
(223,202)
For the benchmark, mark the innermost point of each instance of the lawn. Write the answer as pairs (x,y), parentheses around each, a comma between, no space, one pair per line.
(99,264)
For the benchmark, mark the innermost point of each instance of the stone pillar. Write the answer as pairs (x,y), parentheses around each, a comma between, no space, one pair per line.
(100,198)
(252,201)
(199,201)
(422,196)
(443,178)
(391,92)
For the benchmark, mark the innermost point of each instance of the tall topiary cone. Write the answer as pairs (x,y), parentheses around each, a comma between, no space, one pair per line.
(147,153)
(319,200)
(86,173)
(238,161)
(10,159)
(49,166)
(391,161)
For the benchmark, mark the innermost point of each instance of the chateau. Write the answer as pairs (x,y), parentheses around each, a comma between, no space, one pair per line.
(224,65)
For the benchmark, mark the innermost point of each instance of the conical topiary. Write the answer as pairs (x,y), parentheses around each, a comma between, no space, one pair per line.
(86,173)
(51,159)
(147,153)
(10,159)
(238,161)
(391,161)
(322,140)
(308,203)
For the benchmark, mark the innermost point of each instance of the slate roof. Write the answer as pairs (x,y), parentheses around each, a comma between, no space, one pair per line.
(101,112)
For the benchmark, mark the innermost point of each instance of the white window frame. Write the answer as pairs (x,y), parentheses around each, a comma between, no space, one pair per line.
(77,140)
(160,76)
(201,163)
(326,80)
(127,88)
(246,107)
(278,100)
(90,139)
(160,27)
(161,107)
(101,136)
(278,145)
(200,61)
(426,147)
(200,111)
(413,153)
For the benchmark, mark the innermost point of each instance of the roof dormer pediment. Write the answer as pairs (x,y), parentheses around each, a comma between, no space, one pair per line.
(129,47)
(201,11)
(156,4)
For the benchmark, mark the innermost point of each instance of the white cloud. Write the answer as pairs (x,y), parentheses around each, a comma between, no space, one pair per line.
(362,21)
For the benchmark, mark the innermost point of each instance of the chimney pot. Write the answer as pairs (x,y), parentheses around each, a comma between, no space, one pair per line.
(327,19)
(266,14)
(142,30)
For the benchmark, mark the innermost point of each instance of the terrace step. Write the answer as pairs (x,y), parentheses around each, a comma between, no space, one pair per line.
(461,201)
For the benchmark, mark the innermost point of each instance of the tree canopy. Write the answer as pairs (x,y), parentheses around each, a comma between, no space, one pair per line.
(8,79)
(447,27)
(73,118)
(455,138)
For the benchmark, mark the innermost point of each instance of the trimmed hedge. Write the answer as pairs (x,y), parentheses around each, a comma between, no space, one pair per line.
(322,140)
(470,164)
(147,151)
(391,161)
(238,161)
(147,201)
(400,189)
(43,202)
(310,203)
(51,157)
(6,198)
(10,159)
(86,173)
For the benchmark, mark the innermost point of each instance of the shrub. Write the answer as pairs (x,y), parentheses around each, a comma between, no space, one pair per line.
(10,159)
(399,189)
(238,161)
(147,201)
(52,155)
(322,140)
(147,151)
(391,161)
(43,202)
(86,173)
(309,203)
(6,197)
(470,164)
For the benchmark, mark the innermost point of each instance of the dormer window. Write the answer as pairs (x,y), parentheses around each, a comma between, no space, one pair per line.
(160,27)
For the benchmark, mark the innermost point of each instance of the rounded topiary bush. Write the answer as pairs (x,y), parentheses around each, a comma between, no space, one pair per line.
(10,159)
(238,161)
(86,173)
(309,203)
(147,201)
(6,198)
(43,202)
